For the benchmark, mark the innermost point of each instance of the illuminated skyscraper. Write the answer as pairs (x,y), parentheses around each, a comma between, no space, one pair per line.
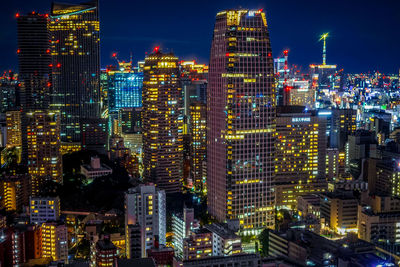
(198,145)
(75,33)
(300,155)
(44,157)
(124,87)
(162,128)
(241,121)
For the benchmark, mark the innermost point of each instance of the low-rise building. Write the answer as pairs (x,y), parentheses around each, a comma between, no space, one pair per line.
(339,210)
(225,241)
(95,169)
(182,224)
(378,227)
(242,260)
(104,253)
(198,245)
(162,255)
(309,205)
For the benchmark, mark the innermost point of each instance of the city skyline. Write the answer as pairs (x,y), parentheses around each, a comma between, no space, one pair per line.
(360,41)
(166,158)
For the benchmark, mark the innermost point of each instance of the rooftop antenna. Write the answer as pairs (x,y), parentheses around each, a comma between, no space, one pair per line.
(323,37)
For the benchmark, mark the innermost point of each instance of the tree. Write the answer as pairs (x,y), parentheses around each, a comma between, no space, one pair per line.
(263,237)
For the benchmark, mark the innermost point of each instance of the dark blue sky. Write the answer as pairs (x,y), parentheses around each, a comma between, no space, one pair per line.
(364,33)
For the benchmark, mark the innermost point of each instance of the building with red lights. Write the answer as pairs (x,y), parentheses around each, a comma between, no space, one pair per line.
(75,40)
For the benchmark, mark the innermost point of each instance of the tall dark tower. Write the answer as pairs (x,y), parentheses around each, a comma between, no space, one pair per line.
(40,133)
(162,122)
(34,60)
(75,31)
(241,121)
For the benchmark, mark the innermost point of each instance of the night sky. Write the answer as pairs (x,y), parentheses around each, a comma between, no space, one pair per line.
(364,33)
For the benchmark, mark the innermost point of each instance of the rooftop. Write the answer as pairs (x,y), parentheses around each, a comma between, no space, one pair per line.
(222,230)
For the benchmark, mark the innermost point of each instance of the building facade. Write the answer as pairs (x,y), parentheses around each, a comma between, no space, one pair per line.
(43,141)
(43,209)
(34,61)
(198,245)
(124,87)
(339,210)
(198,145)
(182,224)
(300,155)
(162,122)
(55,241)
(75,41)
(145,213)
(15,191)
(241,121)
(14,129)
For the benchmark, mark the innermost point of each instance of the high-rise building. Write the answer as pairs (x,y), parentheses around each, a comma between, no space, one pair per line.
(75,40)
(384,177)
(9,92)
(43,142)
(43,209)
(34,60)
(300,154)
(124,87)
(162,121)
(335,164)
(241,121)
(94,135)
(194,86)
(55,241)
(104,91)
(14,129)
(129,120)
(343,124)
(301,93)
(145,208)
(198,145)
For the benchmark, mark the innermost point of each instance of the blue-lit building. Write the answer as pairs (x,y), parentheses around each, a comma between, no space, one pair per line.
(124,88)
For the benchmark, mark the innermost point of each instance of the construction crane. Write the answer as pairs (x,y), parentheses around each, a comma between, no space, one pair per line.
(323,37)
(122,64)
